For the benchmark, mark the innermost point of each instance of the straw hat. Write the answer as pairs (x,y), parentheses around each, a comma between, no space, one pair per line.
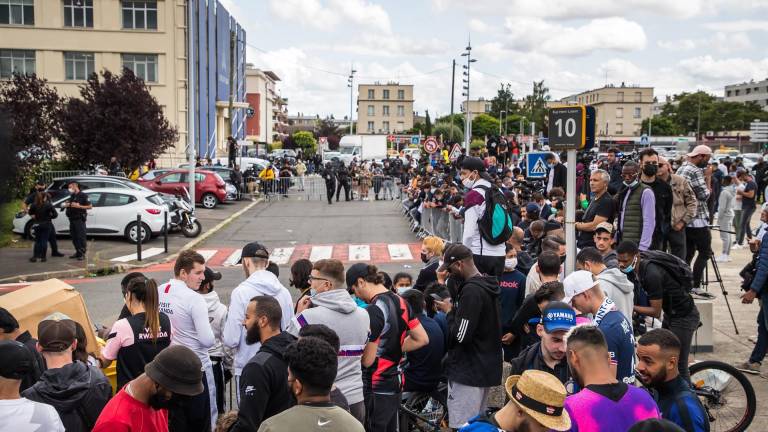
(541,396)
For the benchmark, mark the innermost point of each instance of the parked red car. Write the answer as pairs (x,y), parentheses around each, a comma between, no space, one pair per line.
(210,188)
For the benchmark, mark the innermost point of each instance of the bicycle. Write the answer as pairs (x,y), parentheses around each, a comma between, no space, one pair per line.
(425,412)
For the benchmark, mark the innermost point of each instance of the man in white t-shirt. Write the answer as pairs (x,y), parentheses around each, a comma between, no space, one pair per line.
(16,412)
(190,327)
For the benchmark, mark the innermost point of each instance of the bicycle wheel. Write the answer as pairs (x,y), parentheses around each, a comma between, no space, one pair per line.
(726,393)
(426,414)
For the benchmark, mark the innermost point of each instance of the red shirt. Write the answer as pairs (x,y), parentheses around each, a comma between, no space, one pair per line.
(124,413)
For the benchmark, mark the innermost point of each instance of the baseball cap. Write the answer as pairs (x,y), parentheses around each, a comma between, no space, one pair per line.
(355,272)
(577,283)
(56,332)
(558,316)
(473,164)
(452,253)
(8,322)
(700,149)
(15,360)
(532,208)
(604,226)
(254,250)
(178,369)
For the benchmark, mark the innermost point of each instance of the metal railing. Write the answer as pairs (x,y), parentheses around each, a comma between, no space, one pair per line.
(49,176)
(433,222)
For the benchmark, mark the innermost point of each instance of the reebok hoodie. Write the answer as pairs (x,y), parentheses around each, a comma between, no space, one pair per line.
(337,310)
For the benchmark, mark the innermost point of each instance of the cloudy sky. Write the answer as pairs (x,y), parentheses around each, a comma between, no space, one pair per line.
(672,45)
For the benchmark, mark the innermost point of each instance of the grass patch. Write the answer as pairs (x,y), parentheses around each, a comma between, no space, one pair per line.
(7,213)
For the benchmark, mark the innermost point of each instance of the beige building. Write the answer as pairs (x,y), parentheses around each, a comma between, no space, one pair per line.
(477,106)
(620,110)
(384,108)
(64,41)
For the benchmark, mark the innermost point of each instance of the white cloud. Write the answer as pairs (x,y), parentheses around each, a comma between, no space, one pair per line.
(536,34)
(677,45)
(477,26)
(730,42)
(738,26)
(570,9)
(375,45)
(723,71)
(313,13)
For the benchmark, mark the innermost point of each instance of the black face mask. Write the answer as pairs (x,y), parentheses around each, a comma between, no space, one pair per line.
(157,402)
(562,259)
(424,258)
(650,170)
(702,164)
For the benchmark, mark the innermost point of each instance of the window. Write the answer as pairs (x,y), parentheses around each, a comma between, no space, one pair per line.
(78,13)
(638,96)
(371,110)
(20,12)
(171,178)
(737,92)
(400,126)
(637,112)
(728,93)
(619,112)
(385,110)
(385,125)
(401,94)
(371,93)
(95,198)
(385,94)
(487,108)
(19,61)
(620,97)
(619,128)
(78,65)
(143,65)
(749,90)
(370,126)
(141,15)
(114,200)
(401,111)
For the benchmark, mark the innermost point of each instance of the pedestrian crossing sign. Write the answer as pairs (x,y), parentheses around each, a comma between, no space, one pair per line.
(535,165)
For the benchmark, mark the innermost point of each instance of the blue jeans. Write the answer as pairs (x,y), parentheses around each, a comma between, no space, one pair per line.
(761,347)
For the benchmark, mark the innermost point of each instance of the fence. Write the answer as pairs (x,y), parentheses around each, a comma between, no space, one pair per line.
(305,188)
(433,222)
(49,176)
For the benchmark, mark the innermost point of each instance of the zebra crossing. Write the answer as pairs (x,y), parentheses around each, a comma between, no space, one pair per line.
(377,253)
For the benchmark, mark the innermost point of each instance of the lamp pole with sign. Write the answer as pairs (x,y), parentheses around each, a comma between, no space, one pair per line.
(468,120)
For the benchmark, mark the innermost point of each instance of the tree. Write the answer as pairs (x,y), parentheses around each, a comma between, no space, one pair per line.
(504,101)
(417,129)
(484,125)
(33,108)
(117,116)
(661,126)
(449,132)
(327,128)
(306,142)
(456,119)
(536,105)
(428,125)
(691,112)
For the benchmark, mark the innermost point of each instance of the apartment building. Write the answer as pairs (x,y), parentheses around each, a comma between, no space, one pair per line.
(64,41)
(475,107)
(753,91)
(620,110)
(384,108)
(269,121)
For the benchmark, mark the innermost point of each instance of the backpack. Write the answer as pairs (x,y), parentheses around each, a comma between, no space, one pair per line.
(677,268)
(496,223)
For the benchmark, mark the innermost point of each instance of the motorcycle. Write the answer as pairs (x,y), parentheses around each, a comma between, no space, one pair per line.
(182,216)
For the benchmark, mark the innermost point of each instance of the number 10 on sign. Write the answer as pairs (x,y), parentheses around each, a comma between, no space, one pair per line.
(567,128)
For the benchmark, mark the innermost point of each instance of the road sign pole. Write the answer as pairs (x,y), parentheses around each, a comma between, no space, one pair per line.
(570,214)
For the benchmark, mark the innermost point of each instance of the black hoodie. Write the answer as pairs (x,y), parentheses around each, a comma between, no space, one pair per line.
(264,389)
(474,334)
(78,392)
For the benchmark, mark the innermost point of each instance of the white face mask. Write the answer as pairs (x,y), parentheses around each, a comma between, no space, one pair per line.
(402,290)
(468,183)
(71,190)
(510,263)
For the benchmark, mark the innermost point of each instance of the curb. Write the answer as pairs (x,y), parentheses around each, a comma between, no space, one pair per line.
(123,267)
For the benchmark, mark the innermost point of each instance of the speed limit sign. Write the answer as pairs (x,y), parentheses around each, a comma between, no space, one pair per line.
(567,128)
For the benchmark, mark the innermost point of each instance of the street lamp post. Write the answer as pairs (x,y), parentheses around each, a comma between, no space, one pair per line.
(505,120)
(468,120)
(350,84)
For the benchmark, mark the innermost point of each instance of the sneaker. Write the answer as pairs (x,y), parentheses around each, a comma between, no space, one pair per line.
(737,247)
(722,258)
(750,368)
(699,292)
(57,254)
(753,339)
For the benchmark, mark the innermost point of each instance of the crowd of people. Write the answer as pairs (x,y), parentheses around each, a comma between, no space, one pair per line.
(344,353)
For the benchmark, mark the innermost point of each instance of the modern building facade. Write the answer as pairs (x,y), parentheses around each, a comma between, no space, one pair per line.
(64,41)
(477,106)
(384,108)
(269,121)
(620,110)
(753,91)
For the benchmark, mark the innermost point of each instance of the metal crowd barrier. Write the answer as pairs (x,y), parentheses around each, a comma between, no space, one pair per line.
(304,188)
(434,222)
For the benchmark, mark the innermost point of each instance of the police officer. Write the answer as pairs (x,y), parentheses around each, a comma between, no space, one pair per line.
(77,206)
(28,201)
(330,181)
(343,174)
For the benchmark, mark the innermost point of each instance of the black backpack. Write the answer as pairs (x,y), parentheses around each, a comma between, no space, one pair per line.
(496,223)
(677,268)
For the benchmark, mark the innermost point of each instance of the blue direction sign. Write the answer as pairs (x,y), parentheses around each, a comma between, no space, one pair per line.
(415,139)
(536,165)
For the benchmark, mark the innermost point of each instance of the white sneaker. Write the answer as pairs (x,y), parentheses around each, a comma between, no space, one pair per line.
(736,246)
(722,258)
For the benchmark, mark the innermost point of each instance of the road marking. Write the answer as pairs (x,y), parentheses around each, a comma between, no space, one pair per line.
(207,253)
(399,252)
(359,253)
(320,252)
(281,256)
(233,259)
(144,255)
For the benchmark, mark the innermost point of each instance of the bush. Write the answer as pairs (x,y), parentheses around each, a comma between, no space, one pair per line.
(477,144)
(449,132)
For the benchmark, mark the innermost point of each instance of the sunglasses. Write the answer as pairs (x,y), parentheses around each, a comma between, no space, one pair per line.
(314,278)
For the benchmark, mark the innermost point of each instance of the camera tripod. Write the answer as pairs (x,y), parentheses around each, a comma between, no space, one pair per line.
(718,278)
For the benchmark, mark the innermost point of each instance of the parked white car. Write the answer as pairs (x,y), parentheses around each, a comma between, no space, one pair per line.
(113,214)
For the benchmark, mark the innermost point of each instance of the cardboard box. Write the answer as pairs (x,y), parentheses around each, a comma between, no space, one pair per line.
(33,303)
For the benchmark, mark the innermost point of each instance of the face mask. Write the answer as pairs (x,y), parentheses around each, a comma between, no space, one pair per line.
(468,183)
(403,290)
(510,263)
(630,268)
(157,402)
(550,165)
(650,170)
(702,164)
(424,258)
(632,184)
(312,292)
(71,190)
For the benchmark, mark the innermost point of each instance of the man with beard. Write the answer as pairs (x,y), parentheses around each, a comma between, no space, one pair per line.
(175,373)
(548,355)
(263,387)
(658,353)
(604,403)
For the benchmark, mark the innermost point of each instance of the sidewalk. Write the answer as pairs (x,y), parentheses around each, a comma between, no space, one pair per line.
(105,254)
